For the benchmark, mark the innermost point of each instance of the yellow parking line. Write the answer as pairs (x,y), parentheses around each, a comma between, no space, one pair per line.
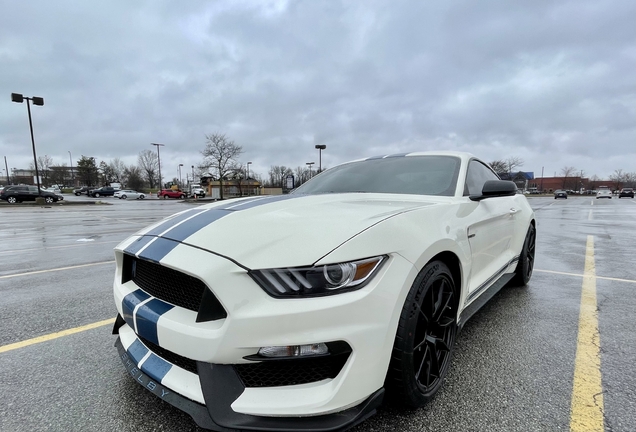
(55,269)
(52,336)
(586,412)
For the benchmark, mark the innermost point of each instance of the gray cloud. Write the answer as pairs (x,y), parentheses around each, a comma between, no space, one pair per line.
(551,82)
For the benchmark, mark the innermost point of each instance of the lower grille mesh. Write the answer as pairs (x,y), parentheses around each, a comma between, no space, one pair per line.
(289,372)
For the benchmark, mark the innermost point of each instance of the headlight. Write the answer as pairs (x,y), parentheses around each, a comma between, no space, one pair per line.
(317,280)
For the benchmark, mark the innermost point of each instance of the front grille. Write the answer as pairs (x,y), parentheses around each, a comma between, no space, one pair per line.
(177,360)
(276,373)
(164,283)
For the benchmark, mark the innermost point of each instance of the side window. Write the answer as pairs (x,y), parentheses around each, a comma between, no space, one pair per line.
(477,175)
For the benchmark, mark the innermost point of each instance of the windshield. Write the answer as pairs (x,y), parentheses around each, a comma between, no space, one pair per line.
(420,175)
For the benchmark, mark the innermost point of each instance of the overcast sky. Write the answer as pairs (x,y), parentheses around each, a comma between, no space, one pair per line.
(551,82)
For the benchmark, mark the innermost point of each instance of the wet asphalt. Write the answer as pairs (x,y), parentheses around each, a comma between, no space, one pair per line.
(512,368)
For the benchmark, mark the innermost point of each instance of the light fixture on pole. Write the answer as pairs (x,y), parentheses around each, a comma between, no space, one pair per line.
(159,162)
(180,165)
(192,173)
(248,170)
(19,98)
(309,164)
(320,148)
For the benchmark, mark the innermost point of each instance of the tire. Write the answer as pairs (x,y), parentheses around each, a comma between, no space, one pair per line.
(181,196)
(523,272)
(163,196)
(124,197)
(142,196)
(96,195)
(425,338)
(77,194)
(12,200)
(49,200)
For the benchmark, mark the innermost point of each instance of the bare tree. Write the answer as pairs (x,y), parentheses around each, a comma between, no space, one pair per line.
(618,177)
(133,176)
(117,168)
(148,164)
(58,174)
(499,166)
(593,183)
(302,175)
(567,171)
(220,154)
(277,175)
(512,163)
(44,165)
(505,167)
(630,179)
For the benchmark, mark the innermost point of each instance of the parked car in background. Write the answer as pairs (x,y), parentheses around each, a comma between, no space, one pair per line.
(103,191)
(16,194)
(56,190)
(560,193)
(604,193)
(129,194)
(83,190)
(626,193)
(269,334)
(171,193)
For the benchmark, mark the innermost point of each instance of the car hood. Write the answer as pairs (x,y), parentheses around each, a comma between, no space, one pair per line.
(286,230)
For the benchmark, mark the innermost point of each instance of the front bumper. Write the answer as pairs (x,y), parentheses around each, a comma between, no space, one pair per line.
(222,386)
(365,319)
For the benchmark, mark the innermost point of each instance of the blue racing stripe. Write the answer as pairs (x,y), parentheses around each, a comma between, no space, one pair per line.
(158,249)
(156,367)
(173,221)
(262,201)
(129,303)
(186,229)
(136,246)
(137,351)
(147,316)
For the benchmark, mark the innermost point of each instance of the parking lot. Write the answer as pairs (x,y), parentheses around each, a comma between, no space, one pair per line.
(514,366)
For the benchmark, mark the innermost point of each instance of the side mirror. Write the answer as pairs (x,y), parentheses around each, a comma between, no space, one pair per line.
(496,188)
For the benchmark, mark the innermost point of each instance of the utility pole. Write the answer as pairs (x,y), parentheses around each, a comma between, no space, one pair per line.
(159,161)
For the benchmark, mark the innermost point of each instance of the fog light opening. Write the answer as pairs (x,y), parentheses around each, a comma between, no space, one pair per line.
(294,350)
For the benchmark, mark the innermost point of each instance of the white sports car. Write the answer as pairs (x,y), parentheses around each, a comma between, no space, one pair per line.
(305,311)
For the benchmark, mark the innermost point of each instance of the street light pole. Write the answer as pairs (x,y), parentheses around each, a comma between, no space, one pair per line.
(19,98)
(309,164)
(320,148)
(180,165)
(192,173)
(248,170)
(7,168)
(159,162)
(70,158)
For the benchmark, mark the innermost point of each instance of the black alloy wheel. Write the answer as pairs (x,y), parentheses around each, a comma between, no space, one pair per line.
(48,200)
(425,338)
(523,272)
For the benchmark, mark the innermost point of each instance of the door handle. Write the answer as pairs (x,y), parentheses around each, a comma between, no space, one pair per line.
(513,211)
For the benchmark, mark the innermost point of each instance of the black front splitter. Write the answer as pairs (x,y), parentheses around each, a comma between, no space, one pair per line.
(221,387)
